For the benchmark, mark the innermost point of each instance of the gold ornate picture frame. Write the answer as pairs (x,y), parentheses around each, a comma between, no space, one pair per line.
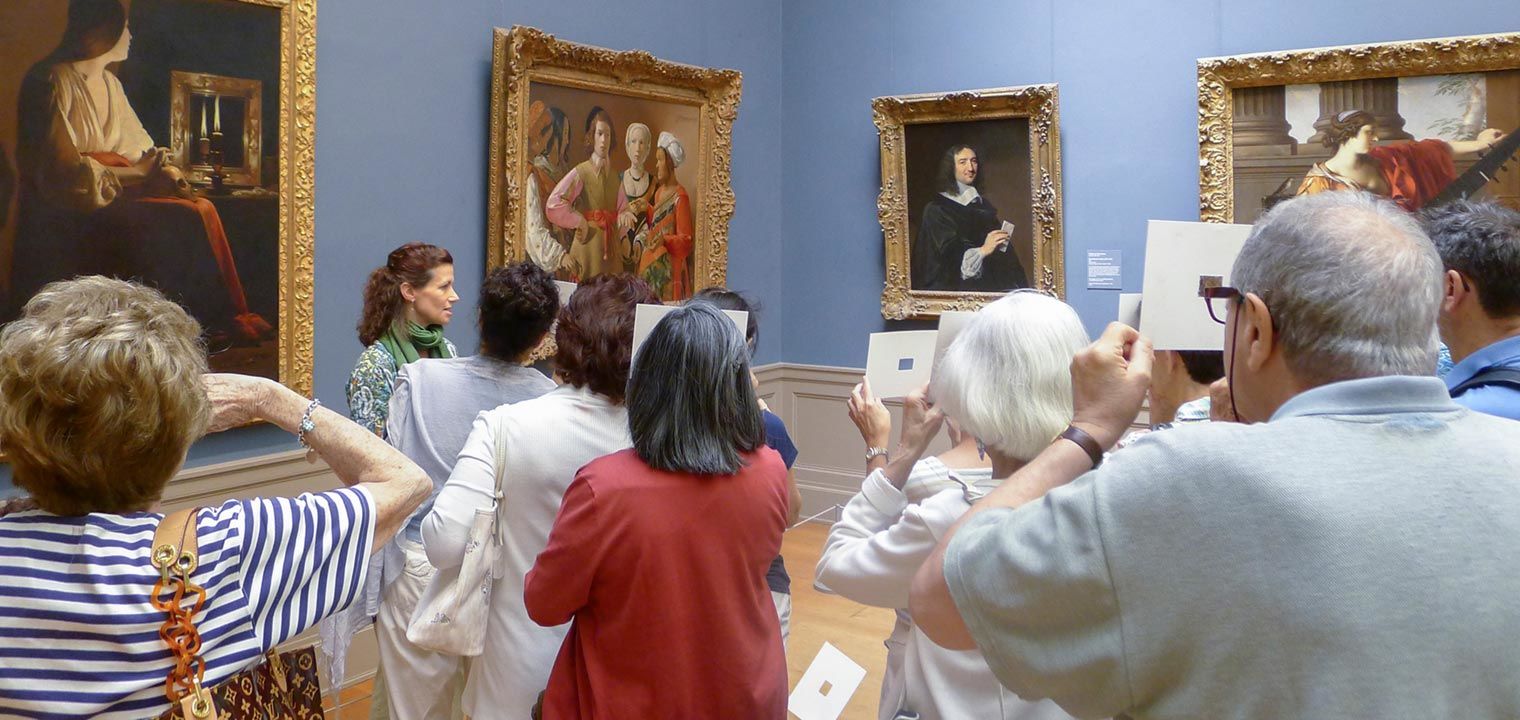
(1014,135)
(554,89)
(235,250)
(1255,148)
(191,99)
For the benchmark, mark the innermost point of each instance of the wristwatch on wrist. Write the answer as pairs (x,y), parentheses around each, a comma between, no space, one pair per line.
(873,452)
(1088,443)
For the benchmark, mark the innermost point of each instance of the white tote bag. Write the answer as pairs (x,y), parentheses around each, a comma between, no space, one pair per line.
(451,614)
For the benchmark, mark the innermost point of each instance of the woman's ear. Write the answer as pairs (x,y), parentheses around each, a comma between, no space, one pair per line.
(408,293)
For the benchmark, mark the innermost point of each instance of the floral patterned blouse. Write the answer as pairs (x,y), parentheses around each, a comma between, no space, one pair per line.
(370,384)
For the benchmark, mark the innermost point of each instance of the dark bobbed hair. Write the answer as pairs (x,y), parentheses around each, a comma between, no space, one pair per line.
(595,333)
(590,138)
(945,180)
(725,299)
(518,303)
(93,28)
(412,263)
(1345,126)
(691,407)
(1481,240)
(1203,366)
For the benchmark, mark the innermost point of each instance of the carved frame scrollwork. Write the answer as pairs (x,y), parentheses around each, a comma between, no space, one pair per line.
(297,99)
(524,55)
(1038,103)
(1218,77)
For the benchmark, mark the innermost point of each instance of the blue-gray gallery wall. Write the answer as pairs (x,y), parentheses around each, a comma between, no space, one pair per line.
(1127,75)
(403,100)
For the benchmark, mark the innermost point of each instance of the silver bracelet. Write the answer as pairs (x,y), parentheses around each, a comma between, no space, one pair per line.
(873,452)
(307,425)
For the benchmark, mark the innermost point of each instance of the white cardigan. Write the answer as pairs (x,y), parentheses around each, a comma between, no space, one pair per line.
(548,439)
(871,556)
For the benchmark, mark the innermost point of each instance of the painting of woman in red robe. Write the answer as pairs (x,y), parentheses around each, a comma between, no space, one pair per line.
(666,259)
(1410,173)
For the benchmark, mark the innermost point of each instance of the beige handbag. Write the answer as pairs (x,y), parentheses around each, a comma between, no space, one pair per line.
(451,614)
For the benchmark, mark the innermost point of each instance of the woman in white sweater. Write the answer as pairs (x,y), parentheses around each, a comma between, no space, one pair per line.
(1006,381)
(547,439)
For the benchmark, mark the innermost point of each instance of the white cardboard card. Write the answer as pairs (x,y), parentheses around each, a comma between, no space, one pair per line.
(566,289)
(1180,259)
(826,687)
(1129,309)
(951,323)
(898,363)
(645,317)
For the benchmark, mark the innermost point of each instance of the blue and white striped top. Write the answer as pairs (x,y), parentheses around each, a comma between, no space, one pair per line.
(79,636)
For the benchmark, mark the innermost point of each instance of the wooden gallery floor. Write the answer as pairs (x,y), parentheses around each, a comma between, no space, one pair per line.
(817,618)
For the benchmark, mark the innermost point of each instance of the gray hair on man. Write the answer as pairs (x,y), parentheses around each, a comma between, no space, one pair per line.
(1007,377)
(1352,282)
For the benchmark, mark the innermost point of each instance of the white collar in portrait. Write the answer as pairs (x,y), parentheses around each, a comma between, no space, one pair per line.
(966,195)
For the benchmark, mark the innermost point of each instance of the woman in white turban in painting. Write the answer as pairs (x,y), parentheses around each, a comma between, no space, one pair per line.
(666,260)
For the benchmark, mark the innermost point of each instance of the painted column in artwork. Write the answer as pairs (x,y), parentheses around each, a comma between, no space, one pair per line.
(1379,96)
(1260,125)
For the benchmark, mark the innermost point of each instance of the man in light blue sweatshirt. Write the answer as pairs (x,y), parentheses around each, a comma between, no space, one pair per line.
(1349,550)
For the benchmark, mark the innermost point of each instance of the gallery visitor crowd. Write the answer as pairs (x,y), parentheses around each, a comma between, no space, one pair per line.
(1316,523)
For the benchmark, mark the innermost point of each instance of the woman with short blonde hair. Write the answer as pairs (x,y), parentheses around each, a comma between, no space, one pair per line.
(102,391)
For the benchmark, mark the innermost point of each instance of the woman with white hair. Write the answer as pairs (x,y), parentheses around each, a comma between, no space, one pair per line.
(1006,381)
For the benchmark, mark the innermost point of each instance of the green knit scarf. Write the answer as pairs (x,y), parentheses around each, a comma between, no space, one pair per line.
(418,342)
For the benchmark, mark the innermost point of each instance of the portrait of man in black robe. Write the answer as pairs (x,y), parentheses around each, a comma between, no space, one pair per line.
(962,244)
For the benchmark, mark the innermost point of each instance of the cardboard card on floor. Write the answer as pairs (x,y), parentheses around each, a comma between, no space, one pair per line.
(951,323)
(566,289)
(1129,309)
(826,686)
(898,363)
(1181,258)
(645,317)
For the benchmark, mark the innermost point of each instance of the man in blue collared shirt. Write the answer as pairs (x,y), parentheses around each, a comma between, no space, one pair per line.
(1480,313)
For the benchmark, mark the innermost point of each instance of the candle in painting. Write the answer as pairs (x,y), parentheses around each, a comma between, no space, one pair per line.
(216,120)
(203,143)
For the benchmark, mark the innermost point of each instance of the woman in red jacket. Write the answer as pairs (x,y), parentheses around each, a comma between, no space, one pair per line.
(659,552)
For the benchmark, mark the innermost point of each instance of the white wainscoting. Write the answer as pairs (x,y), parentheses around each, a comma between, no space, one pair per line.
(811,399)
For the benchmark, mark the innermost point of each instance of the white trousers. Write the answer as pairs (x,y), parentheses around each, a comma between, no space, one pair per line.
(784,613)
(419,684)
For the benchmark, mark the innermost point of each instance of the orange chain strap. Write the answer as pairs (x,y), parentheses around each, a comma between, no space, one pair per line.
(178,630)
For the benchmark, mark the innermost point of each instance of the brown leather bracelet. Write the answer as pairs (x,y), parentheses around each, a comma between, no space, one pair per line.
(1088,443)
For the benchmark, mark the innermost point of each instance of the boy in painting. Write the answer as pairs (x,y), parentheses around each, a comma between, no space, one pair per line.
(666,260)
(961,243)
(586,201)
